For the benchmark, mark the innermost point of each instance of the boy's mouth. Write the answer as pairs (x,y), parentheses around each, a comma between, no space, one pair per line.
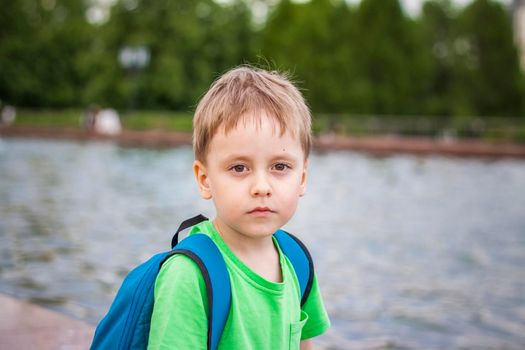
(261,211)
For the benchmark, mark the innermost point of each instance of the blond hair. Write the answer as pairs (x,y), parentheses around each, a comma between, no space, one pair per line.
(246,90)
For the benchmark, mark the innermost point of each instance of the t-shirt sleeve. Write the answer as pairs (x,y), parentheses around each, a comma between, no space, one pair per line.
(179,319)
(318,321)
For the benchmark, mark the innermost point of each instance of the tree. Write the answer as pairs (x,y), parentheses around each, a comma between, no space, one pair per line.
(388,58)
(41,48)
(312,41)
(190,43)
(436,24)
(488,80)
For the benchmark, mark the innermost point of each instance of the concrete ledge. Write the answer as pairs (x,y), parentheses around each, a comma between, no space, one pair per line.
(27,326)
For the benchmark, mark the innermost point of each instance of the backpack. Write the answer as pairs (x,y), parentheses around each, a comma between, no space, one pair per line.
(127,323)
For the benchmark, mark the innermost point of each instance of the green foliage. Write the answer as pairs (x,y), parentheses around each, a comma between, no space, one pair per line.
(190,43)
(42,44)
(436,35)
(370,59)
(487,72)
(298,39)
(387,59)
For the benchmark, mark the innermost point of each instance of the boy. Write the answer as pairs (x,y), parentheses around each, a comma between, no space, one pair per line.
(251,142)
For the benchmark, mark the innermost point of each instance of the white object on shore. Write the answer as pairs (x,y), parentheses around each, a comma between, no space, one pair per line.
(7,115)
(107,122)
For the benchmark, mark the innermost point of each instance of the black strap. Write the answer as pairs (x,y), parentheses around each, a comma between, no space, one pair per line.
(310,267)
(187,224)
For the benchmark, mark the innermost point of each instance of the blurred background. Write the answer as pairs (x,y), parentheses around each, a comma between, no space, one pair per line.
(412,251)
(366,67)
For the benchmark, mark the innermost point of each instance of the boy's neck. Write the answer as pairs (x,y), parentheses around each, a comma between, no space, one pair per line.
(243,244)
(259,254)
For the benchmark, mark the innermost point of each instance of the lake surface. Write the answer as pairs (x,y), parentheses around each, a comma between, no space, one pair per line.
(411,252)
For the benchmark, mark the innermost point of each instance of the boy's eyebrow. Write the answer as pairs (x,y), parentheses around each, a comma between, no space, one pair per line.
(231,157)
(240,156)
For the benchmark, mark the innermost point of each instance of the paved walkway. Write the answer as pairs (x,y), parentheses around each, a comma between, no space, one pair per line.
(26,326)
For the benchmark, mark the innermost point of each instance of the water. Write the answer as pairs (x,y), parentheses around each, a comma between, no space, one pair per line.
(411,252)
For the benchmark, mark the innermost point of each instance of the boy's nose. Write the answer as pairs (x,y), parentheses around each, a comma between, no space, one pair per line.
(261,187)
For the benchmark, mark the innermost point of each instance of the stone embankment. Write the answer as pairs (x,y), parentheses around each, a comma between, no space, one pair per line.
(377,145)
(28,326)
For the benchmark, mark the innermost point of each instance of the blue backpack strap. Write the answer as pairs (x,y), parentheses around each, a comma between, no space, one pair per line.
(185,225)
(301,260)
(201,249)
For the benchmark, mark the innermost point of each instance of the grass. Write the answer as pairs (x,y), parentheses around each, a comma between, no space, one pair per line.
(491,129)
(146,120)
(67,118)
(487,129)
(136,120)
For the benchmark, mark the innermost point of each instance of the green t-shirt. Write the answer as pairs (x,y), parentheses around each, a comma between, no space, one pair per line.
(263,314)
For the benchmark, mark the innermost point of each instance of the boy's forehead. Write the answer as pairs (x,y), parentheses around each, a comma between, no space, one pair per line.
(250,133)
(255,120)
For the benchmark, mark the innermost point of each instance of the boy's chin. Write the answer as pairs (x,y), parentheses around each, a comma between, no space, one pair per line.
(260,229)
(255,227)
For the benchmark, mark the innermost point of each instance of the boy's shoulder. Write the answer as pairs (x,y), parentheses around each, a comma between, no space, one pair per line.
(180,268)
(288,244)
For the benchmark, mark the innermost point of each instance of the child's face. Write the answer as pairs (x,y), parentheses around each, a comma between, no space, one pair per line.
(255,177)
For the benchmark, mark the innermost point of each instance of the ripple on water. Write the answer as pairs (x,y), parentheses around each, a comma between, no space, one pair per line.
(411,252)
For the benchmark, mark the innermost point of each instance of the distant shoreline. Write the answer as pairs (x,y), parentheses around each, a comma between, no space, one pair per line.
(376,145)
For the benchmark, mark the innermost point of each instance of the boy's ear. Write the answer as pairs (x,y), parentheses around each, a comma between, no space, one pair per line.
(303,179)
(201,176)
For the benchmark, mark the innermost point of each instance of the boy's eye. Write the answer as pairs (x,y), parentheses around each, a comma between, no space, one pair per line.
(281,166)
(238,168)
